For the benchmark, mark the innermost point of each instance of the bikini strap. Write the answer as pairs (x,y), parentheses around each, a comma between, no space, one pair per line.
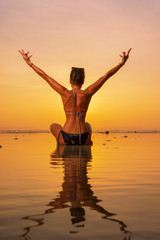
(80,117)
(58,137)
(74,94)
(78,114)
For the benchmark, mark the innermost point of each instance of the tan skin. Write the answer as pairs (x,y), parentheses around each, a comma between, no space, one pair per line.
(83,98)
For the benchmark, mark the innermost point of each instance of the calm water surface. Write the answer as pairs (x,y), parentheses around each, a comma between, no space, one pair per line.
(108,191)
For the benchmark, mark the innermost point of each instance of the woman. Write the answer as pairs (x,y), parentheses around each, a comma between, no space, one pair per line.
(76,101)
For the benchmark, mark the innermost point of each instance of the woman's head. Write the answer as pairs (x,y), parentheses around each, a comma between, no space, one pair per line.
(77,76)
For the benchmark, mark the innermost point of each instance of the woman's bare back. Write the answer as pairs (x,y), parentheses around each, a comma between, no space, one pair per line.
(75,102)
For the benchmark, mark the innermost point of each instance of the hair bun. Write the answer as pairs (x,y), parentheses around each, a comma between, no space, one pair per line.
(77,76)
(77,68)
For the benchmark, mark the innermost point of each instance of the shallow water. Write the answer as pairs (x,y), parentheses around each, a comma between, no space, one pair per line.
(107,191)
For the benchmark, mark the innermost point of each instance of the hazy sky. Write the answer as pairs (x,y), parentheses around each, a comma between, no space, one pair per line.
(90,34)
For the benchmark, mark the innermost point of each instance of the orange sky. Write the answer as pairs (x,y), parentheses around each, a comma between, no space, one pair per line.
(89,34)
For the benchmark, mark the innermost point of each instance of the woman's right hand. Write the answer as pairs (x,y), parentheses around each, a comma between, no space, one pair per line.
(125,56)
(25,56)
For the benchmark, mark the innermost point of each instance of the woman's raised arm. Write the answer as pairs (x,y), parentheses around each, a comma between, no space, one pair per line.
(54,84)
(93,88)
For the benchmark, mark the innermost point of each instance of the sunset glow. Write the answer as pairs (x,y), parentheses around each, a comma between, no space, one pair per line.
(89,34)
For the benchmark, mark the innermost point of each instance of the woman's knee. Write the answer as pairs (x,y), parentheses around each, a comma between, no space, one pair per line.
(89,128)
(53,125)
(55,128)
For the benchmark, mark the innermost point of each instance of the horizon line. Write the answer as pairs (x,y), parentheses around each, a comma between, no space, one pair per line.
(96,131)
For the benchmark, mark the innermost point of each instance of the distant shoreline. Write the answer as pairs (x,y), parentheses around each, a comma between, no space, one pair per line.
(103,131)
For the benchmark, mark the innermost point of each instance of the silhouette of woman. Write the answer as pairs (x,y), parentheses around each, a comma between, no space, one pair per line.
(76,101)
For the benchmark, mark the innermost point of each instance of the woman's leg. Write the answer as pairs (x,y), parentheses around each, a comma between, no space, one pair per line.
(55,130)
(89,129)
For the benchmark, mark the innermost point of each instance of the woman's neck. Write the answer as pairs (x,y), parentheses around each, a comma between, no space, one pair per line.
(75,86)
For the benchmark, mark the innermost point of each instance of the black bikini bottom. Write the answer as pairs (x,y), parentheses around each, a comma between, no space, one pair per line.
(74,139)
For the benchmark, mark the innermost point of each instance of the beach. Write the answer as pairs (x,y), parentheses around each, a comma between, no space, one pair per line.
(107,191)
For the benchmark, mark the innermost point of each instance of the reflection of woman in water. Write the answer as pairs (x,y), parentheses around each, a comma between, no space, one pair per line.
(76,194)
(76,101)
